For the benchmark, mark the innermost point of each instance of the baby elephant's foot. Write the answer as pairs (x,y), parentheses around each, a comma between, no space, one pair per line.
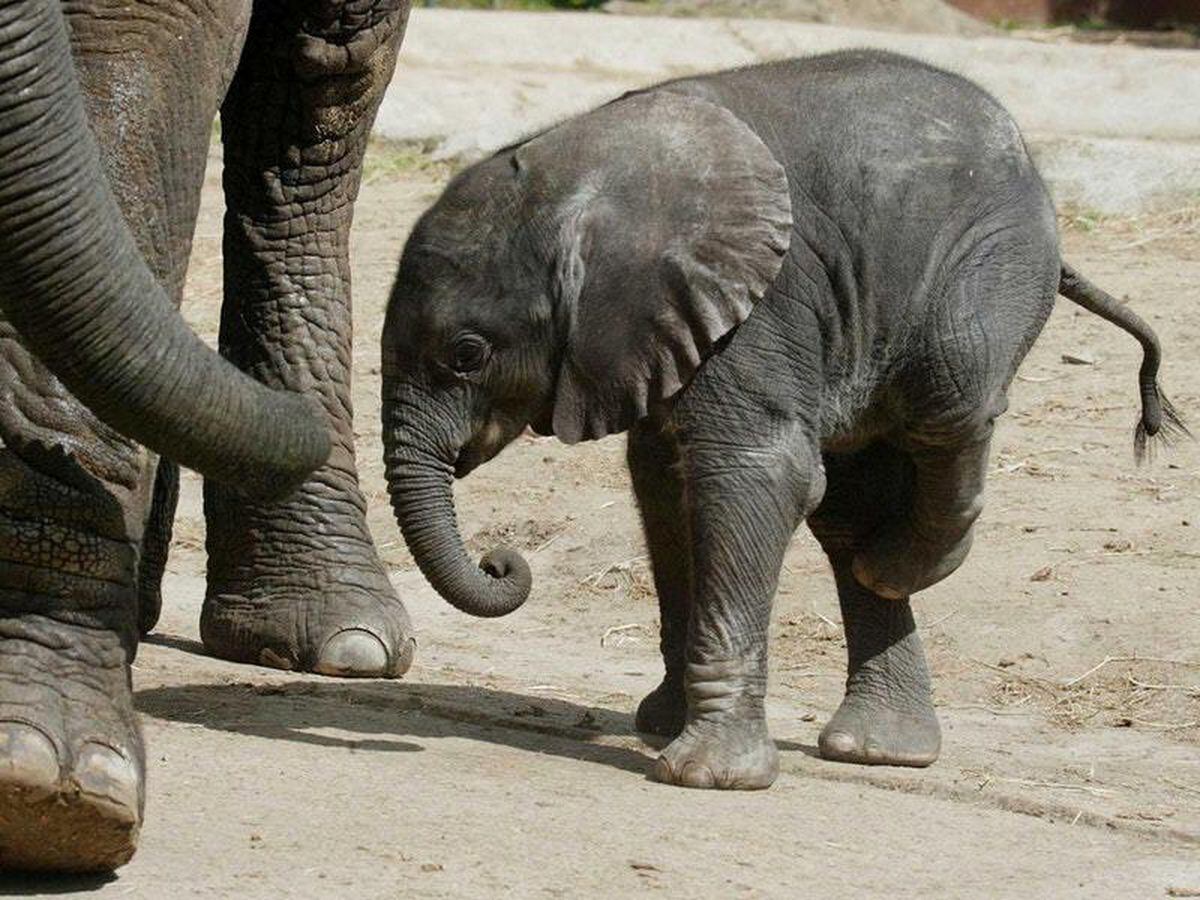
(899,564)
(664,710)
(886,717)
(874,735)
(725,744)
(734,754)
(71,763)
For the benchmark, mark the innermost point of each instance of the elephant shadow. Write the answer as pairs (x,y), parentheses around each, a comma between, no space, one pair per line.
(19,884)
(390,717)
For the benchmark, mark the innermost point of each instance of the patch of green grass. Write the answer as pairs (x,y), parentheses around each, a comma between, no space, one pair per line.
(520,5)
(1081,219)
(394,159)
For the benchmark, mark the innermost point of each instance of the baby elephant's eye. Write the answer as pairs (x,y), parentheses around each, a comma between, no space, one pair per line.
(469,353)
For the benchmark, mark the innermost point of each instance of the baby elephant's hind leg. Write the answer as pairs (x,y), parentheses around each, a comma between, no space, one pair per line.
(887,715)
(930,537)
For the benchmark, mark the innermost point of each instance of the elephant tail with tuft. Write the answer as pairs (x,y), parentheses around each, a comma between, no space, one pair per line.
(1159,418)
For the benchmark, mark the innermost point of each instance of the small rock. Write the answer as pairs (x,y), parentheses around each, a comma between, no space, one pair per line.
(1079,358)
(1042,574)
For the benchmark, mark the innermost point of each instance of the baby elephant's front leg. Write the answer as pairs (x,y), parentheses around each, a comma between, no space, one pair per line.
(744,505)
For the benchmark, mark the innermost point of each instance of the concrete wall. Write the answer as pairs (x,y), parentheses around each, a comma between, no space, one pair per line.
(1124,13)
(1113,128)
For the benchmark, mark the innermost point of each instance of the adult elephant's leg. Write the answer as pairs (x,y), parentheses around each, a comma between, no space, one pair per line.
(746,498)
(887,715)
(654,467)
(74,495)
(297,584)
(160,523)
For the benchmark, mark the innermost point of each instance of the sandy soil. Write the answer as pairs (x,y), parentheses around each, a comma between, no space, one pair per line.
(1065,655)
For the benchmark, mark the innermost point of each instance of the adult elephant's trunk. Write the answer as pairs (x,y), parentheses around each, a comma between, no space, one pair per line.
(74,285)
(420,469)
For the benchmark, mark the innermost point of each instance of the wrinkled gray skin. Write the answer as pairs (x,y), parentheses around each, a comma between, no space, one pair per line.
(803,288)
(101,165)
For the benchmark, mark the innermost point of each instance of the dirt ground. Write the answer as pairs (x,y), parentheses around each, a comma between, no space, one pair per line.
(1066,654)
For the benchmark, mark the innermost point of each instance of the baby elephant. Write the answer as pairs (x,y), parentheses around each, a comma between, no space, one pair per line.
(803,289)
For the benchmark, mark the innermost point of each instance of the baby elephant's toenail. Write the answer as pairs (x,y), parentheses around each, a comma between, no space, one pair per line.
(354,652)
(696,775)
(28,759)
(663,771)
(837,744)
(110,780)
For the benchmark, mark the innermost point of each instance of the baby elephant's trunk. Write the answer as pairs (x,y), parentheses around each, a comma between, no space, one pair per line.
(420,470)
(1159,417)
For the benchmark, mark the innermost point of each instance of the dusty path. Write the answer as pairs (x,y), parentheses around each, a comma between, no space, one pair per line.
(504,764)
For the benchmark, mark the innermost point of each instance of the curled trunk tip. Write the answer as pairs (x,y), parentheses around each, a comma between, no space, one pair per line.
(419,481)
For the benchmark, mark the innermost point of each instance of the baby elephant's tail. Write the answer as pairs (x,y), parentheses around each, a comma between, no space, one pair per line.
(1159,417)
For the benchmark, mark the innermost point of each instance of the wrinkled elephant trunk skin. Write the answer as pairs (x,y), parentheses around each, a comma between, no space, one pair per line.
(76,288)
(420,471)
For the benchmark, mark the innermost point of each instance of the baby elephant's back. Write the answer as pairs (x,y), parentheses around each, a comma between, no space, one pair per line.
(892,165)
(887,125)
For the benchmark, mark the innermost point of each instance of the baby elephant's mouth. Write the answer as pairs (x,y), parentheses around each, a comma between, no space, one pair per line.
(489,441)
(465,464)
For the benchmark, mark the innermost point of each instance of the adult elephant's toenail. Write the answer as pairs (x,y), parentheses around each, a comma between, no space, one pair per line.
(28,759)
(404,660)
(354,652)
(110,780)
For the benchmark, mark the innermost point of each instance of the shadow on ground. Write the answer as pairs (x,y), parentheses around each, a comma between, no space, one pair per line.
(15,885)
(392,716)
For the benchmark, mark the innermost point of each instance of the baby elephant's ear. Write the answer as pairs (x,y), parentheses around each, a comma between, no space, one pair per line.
(676,226)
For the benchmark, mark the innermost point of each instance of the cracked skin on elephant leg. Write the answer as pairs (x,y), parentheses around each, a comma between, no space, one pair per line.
(71,758)
(297,584)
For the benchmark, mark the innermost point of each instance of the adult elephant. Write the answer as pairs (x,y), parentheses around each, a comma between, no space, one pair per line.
(85,512)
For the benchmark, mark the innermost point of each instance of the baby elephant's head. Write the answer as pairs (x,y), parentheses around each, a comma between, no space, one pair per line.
(571,283)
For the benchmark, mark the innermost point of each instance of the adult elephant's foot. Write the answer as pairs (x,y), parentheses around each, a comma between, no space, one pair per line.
(71,761)
(887,716)
(664,710)
(726,753)
(339,618)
